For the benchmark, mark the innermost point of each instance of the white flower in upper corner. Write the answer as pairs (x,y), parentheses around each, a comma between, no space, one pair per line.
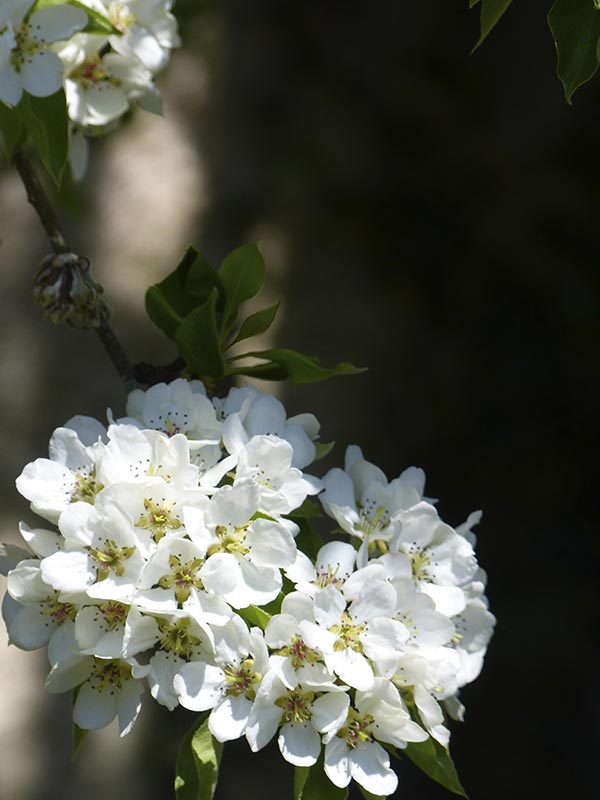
(149,30)
(26,63)
(365,504)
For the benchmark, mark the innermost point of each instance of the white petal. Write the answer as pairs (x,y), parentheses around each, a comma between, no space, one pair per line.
(337,762)
(228,720)
(370,766)
(55,23)
(299,744)
(129,705)
(199,686)
(93,709)
(42,73)
(329,711)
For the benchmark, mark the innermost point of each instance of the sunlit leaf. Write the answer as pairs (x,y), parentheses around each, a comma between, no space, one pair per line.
(436,762)
(197,766)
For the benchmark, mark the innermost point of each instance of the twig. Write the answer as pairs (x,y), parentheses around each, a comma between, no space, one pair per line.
(36,194)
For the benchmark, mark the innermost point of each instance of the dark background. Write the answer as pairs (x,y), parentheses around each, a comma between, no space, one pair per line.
(440,216)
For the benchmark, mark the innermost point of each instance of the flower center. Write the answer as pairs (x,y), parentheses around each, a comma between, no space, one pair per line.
(114,614)
(176,638)
(328,578)
(182,578)
(111,558)
(299,652)
(357,729)
(92,73)
(121,17)
(296,706)
(241,679)
(158,518)
(231,540)
(109,675)
(59,612)
(348,633)
(26,45)
(419,561)
(86,488)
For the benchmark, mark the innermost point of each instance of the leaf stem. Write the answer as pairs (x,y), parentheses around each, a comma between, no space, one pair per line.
(37,197)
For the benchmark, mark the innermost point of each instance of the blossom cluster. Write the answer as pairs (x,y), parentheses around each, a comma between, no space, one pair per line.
(171,561)
(43,49)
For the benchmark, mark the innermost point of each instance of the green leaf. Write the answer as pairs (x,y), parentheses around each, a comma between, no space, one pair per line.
(11,128)
(254,615)
(201,278)
(311,783)
(256,323)
(197,766)
(491,11)
(308,510)
(323,449)
(97,22)
(242,274)
(296,366)
(307,540)
(369,796)
(167,302)
(46,121)
(265,372)
(436,762)
(198,340)
(79,737)
(575,26)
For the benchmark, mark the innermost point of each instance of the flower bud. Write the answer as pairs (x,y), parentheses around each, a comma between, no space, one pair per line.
(65,291)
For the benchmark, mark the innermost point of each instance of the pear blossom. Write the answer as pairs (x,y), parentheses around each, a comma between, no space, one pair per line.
(26,62)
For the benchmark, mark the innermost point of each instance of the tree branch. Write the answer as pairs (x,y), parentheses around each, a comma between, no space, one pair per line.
(36,194)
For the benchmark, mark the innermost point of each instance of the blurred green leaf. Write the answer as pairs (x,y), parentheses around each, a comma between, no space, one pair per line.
(201,279)
(491,11)
(79,737)
(575,26)
(198,340)
(242,274)
(197,766)
(296,366)
(46,121)
(256,323)
(323,449)
(167,302)
(436,762)
(369,796)
(11,128)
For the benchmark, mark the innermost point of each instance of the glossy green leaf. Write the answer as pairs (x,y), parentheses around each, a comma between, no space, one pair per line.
(266,372)
(307,540)
(254,615)
(242,274)
(167,303)
(11,128)
(491,11)
(575,26)
(197,766)
(97,22)
(436,762)
(198,340)
(311,783)
(308,510)
(298,367)
(46,121)
(256,323)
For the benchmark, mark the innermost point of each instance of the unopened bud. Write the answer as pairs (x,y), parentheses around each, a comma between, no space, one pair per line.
(65,291)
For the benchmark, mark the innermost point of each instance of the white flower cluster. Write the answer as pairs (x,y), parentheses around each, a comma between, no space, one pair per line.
(177,522)
(102,74)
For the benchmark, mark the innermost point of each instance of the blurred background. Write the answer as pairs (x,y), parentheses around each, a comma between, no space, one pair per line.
(427,213)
